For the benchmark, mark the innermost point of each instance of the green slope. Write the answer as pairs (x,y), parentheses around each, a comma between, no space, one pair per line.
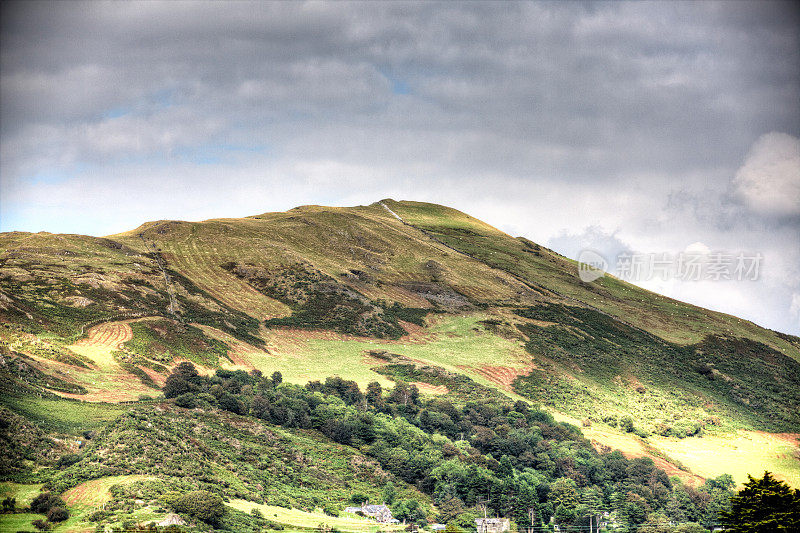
(507,312)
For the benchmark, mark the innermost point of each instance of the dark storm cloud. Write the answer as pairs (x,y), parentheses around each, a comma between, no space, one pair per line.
(589,114)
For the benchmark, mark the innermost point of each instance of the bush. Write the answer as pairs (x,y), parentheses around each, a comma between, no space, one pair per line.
(175,386)
(187,400)
(358,498)
(57,514)
(42,503)
(626,423)
(330,510)
(9,505)
(67,460)
(202,505)
(40,524)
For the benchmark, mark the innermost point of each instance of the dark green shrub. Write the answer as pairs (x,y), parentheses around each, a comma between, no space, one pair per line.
(175,386)
(42,503)
(9,505)
(57,514)
(358,498)
(626,423)
(330,510)
(68,459)
(202,505)
(187,400)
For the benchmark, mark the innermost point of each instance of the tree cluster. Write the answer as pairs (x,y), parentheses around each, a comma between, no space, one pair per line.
(515,460)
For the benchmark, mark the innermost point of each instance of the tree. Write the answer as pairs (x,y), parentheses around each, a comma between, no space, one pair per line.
(330,510)
(657,523)
(410,511)
(634,510)
(358,498)
(374,392)
(449,509)
(202,505)
(187,400)
(389,493)
(9,505)
(564,492)
(401,393)
(277,378)
(186,370)
(690,527)
(505,469)
(764,505)
(176,385)
(564,514)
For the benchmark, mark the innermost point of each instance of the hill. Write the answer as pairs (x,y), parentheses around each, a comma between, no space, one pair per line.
(394,292)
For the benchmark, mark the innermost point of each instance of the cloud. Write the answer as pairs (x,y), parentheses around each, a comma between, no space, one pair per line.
(769,180)
(563,122)
(593,238)
(794,308)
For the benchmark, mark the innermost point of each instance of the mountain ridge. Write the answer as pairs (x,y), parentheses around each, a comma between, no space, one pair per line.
(314,291)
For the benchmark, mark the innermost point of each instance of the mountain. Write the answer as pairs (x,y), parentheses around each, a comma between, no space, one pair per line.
(394,292)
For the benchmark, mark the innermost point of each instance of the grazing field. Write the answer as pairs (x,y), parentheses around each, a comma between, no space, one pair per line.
(696,458)
(457,343)
(670,319)
(307,520)
(18,522)
(501,376)
(739,454)
(201,262)
(427,388)
(24,493)
(64,416)
(632,446)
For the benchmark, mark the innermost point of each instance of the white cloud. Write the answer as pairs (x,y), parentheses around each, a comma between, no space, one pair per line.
(794,308)
(697,248)
(769,180)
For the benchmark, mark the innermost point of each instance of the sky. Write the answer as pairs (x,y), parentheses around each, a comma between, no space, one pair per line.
(624,128)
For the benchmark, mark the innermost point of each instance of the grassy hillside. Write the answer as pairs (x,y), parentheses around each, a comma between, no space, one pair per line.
(90,329)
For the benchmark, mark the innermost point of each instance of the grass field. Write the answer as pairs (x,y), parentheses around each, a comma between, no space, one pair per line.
(739,454)
(16,522)
(457,343)
(65,416)
(24,493)
(306,520)
(696,458)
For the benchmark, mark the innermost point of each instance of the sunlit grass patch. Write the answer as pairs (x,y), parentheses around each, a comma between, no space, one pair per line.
(739,454)
(311,520)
